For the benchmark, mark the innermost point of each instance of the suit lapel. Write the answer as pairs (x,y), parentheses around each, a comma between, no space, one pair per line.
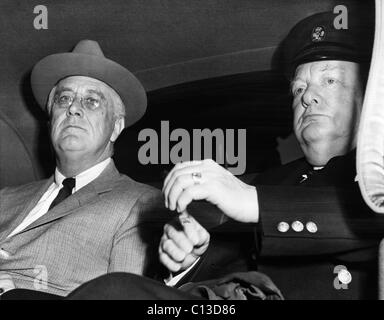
(85,196)
(8,224)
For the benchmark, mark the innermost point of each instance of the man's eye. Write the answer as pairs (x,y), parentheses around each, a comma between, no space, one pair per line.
(331,81)
(64,99)
(298,91)
(92,103)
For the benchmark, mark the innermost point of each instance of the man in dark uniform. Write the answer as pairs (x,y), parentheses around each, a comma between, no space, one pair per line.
(315,237)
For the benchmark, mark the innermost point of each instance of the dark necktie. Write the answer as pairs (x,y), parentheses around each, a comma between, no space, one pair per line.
(65,191)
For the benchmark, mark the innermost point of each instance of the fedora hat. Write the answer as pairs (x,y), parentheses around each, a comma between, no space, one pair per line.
(87,59)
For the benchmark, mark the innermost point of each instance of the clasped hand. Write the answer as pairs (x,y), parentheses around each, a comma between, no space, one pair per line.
(184,239)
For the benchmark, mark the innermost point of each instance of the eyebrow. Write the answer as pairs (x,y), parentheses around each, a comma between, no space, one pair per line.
(59,89)
(98,92)
(291,84)
(327,67)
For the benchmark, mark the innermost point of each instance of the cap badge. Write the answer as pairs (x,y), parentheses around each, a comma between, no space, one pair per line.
(318,34)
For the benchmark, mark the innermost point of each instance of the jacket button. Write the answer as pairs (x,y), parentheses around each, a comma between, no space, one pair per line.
(311,227)
(297,226)
(283,227)
(344,276)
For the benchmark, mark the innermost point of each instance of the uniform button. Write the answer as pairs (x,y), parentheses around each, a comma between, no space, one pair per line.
(344,276)
(283,227)
(297,226)
(4,254)
(311,227)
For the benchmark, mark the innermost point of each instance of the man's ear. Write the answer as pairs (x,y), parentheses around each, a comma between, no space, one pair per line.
(119,126)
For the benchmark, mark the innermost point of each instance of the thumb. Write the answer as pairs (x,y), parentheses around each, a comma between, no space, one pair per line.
(190,227)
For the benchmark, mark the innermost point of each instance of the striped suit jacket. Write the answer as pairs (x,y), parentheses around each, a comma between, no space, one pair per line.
(109,225)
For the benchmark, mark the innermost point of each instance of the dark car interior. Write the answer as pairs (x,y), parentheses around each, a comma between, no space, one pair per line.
(204,64)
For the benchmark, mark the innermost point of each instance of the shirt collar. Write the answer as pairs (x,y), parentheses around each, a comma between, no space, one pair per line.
(84,177)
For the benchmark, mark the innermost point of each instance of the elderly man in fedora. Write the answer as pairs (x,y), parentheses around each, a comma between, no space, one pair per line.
(87,219)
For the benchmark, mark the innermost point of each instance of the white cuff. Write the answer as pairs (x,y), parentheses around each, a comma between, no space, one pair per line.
(172,281)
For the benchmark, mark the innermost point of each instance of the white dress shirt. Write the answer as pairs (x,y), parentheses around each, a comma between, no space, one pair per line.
(173,280)
(45,201)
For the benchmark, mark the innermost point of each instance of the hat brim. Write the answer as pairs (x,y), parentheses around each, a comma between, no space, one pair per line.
(48,71)
(323,52)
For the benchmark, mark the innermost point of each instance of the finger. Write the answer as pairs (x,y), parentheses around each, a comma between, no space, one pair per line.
(161,243)
(207,168)
(179,166)
(195,192)
(173,192)
(191,227)
(163,238)
(180,239)
(189,260)
(187,171)
(173,251)
(168,262)
(203,237)
(200,234)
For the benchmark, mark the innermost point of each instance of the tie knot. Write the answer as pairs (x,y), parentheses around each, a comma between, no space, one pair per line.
(69,183)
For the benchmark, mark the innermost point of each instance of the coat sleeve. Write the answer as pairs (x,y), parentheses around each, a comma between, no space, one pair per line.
(135,243)
(343,222)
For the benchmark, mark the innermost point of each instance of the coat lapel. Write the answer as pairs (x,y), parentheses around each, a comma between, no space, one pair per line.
(85,196)
(8,223)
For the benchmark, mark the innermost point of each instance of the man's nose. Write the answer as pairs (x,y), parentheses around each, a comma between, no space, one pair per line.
(75,109)
(310,98)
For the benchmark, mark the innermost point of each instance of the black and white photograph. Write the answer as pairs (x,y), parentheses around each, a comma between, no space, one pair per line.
(191,154)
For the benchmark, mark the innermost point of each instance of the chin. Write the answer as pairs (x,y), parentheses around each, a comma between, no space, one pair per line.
(315,133)
(71,144)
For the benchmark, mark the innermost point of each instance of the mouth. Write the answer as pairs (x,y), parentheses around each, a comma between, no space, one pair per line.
(312,117)
(72,126)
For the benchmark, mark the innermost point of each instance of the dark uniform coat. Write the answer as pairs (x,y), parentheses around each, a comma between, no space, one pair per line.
(316,237)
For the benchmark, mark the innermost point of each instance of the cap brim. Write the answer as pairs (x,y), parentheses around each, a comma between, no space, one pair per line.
(53,68)
(322,52)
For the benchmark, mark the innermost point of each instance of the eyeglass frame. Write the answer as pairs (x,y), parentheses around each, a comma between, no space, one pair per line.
(81,100)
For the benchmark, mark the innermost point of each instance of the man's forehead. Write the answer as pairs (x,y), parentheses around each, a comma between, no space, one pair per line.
(83,83)
(325,66)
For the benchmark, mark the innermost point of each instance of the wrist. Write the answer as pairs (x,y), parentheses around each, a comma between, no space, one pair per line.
(253,205)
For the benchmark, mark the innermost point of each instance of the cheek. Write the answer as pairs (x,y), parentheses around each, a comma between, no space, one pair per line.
(343,111)
(99,124)
(297,113)
(56,119)
(344,121)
